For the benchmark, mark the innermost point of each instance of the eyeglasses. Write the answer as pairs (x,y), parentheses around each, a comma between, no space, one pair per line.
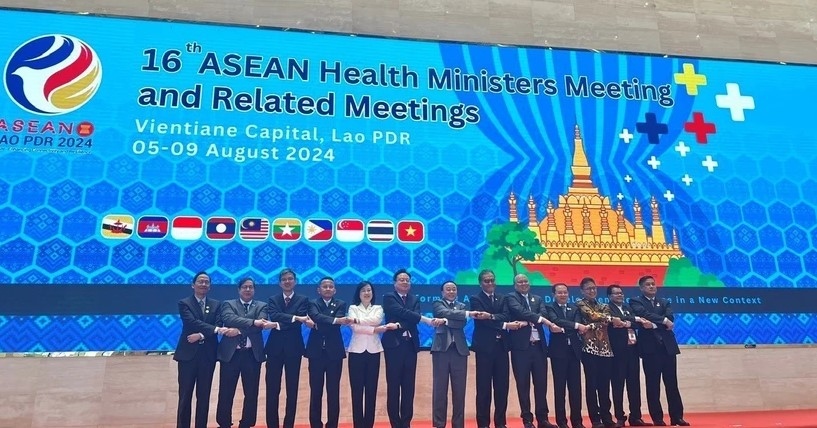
(616,293)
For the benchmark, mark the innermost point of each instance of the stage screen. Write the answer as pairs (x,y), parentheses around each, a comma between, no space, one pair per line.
(136,153)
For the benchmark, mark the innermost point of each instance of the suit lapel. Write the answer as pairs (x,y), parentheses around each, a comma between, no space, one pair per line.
(196,307)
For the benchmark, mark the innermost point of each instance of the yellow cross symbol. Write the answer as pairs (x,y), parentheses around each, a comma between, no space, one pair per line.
(690,79)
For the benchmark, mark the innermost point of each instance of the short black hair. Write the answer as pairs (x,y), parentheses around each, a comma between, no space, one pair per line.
(586,280)
(356,296)
(553,287)
(442,287)
(245,279)
(398,272)
(197,275)
(286,271)
(644,279)
(611,287)
(326,278)
(484,272)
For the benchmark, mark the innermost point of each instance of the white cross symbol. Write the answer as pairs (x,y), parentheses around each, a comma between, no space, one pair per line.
(669,196)
(654,162)
(687,179)
(735,102)
(627,178)
(682,149)
(709,163)
(626,136)
(620,196)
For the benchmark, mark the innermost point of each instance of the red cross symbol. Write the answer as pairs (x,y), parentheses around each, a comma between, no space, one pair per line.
(700,128)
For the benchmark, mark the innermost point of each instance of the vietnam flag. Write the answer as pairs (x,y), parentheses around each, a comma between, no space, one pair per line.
(411,231)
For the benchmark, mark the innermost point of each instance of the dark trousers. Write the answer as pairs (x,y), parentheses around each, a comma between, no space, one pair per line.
(656,366)
(323,370)
(242,364)
(493,368)
(527,364)
(597,372)
(364,372)
(627,370)
(277,366)
(448,367)
(567,378)
(196,373)
(401,369)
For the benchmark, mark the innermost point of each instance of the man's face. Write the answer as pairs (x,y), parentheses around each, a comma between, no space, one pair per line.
(521,283)
(326,289)
(561,294)
(589,290)
(449,291)
(488,283)
(287,282)
(617,296)
(402,284)
(649,288)
(247,290)
(201,285)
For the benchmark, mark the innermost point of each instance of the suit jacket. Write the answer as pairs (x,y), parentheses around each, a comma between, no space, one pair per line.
(486,331)
(518,310)
(234,315)
(326,334)
(286,341)
(652,340)
(196,321)
(563,344)
(408,316)
(452,332)
(618,336)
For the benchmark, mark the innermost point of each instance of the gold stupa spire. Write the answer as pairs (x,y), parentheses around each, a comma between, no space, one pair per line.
(657,227)
(582,182)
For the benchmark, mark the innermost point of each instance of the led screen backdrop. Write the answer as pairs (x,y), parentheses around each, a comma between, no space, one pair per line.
(136,153)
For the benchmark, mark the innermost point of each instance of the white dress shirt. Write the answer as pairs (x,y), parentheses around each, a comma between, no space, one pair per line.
(364,338)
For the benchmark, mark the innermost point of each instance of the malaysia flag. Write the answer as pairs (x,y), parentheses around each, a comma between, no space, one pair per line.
(318,229)
(380,230)
(254,229)
(220,228)
(349,230)
(152,227)
(411,231)
(187,228)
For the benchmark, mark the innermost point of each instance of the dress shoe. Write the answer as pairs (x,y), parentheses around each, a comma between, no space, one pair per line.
(611,424)
(659,423)
(546,424)
(639,423)
(680,423)
(578,426)
(598,426)
(528,425)
(562,425)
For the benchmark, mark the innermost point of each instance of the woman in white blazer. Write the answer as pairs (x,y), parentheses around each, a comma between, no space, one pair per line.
(364,353)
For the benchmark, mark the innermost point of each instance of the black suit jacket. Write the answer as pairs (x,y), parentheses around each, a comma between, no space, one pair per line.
(618,335)
(518,310)
(452,331)
(326,334)
(286,341)
(652,340)
(562,344)
(408,316)
(234,315)
(196,321)
(485,332)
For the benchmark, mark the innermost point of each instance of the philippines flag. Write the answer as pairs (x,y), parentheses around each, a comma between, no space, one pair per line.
(152,227)
(220,228)
(380,230)
(318,229)
(187,228)
(349,230)
(254,229)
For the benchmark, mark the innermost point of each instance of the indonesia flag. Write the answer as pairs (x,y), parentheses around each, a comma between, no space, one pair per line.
(187,228)
(349,230)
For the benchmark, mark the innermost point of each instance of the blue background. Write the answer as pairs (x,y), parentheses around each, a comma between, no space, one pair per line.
(751,222)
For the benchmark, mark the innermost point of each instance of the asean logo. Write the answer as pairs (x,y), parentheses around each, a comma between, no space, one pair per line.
(52,74)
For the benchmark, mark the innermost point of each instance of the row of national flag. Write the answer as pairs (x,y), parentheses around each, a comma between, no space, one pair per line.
(191,228)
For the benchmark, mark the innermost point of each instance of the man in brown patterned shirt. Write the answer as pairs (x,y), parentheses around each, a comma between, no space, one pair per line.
(597,356)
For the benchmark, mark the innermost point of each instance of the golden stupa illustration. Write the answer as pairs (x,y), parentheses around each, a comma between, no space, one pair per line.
(586,236)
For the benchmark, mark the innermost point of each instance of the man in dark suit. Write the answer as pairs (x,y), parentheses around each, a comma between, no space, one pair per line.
(449,357)
(325,352)
(241,353)
(626,363)
(658,348)
(400,347)
(529,351)
(285,347)
(490,343)
(565,351)
(196,351)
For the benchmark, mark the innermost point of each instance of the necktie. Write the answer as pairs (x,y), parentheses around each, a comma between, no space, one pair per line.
(201,305)
(451,305)
(404,300)
(564,311)
(246,307)
(286,301)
